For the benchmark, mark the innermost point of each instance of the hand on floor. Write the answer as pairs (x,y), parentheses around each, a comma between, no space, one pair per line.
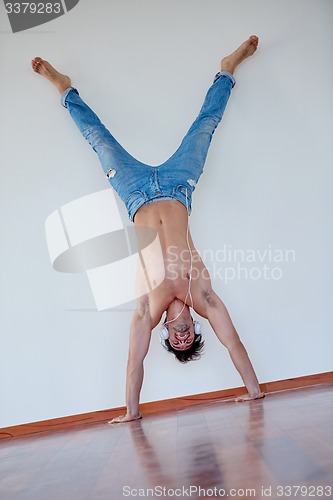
(124,418)
(247,397)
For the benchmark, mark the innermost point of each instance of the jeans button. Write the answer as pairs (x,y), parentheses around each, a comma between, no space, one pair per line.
(158,192)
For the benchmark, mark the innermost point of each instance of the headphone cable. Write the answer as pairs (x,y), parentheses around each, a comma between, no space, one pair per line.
(190,278)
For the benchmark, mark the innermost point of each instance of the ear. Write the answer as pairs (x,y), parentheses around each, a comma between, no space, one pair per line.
(164,333)
(197,328)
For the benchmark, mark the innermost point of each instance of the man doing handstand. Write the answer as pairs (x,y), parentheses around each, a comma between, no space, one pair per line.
(160,198)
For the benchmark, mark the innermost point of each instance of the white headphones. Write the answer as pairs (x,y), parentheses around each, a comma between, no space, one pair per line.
(164,333)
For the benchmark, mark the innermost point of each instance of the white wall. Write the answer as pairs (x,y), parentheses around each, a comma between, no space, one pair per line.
(145,67)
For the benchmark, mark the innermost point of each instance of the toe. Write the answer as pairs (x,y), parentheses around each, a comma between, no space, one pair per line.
(36,62)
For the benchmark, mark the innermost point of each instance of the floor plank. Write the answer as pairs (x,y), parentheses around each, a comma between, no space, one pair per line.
(284,440)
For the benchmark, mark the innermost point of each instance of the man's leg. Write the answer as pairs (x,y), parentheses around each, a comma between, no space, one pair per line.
(111,154)
(194,147)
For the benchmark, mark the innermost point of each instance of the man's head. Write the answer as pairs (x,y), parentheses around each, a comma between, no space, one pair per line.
(183,341)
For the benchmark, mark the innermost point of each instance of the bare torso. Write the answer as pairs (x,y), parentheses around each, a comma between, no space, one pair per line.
(167,260)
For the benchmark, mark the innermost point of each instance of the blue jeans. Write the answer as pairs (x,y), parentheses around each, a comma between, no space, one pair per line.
(176,178)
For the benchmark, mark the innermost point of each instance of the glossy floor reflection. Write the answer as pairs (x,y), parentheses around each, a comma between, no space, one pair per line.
(277,443)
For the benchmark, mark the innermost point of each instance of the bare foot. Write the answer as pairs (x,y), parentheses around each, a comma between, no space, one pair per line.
(247,49)
(248,397)
(125,418)
(62,82)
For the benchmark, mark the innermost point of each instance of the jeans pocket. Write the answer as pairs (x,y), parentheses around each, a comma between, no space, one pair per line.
(134,200)
(184,194)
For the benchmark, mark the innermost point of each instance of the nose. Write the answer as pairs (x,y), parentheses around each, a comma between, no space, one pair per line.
(182,336)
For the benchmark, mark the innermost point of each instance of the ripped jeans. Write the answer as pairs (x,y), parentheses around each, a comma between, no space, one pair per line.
(138,183)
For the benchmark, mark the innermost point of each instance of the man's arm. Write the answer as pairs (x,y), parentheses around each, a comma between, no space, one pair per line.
(140,334)
(225,331)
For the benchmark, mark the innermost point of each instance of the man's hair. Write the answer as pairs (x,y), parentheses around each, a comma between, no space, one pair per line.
(191,354)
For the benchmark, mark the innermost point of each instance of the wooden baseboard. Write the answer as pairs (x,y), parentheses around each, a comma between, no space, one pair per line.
(160,406)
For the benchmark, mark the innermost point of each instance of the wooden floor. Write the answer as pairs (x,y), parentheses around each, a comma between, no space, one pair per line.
(284,440)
